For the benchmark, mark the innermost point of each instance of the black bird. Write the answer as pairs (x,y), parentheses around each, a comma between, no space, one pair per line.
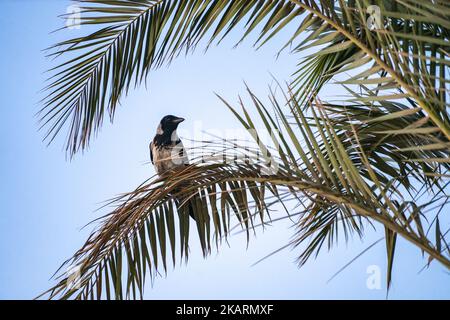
(167,151)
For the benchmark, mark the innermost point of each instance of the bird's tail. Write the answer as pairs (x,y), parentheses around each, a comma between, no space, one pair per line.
(191,211)
(186,205)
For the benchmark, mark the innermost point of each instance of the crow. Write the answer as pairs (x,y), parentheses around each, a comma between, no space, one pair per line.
(167,151)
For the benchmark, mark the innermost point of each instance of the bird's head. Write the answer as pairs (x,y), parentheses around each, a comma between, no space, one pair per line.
(169,124)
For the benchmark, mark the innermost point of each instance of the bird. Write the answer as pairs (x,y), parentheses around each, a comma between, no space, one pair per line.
(167,151)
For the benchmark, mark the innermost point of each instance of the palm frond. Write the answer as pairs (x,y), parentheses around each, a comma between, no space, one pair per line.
(379,156)
(405,58)
(321,163)
(132,38)
(409,53)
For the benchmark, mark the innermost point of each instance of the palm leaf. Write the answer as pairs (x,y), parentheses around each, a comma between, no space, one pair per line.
(377,157)
(132,38)
(341,192)
(406,60)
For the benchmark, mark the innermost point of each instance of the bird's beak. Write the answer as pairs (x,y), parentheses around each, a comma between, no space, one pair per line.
(178,120)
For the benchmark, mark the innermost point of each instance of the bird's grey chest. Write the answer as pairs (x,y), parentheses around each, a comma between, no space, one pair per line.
(168,157)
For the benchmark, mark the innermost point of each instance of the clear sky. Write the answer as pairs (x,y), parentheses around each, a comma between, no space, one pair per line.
(45,199)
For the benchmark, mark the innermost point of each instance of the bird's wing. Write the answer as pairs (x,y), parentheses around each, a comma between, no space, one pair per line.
(151,152)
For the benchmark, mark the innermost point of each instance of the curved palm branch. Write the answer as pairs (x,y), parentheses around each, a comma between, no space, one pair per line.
(407,52)
(329,175)
(379,156)
(138,35)
(134,37)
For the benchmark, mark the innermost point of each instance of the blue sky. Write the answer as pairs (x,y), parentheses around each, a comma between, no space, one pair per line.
(47,199)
